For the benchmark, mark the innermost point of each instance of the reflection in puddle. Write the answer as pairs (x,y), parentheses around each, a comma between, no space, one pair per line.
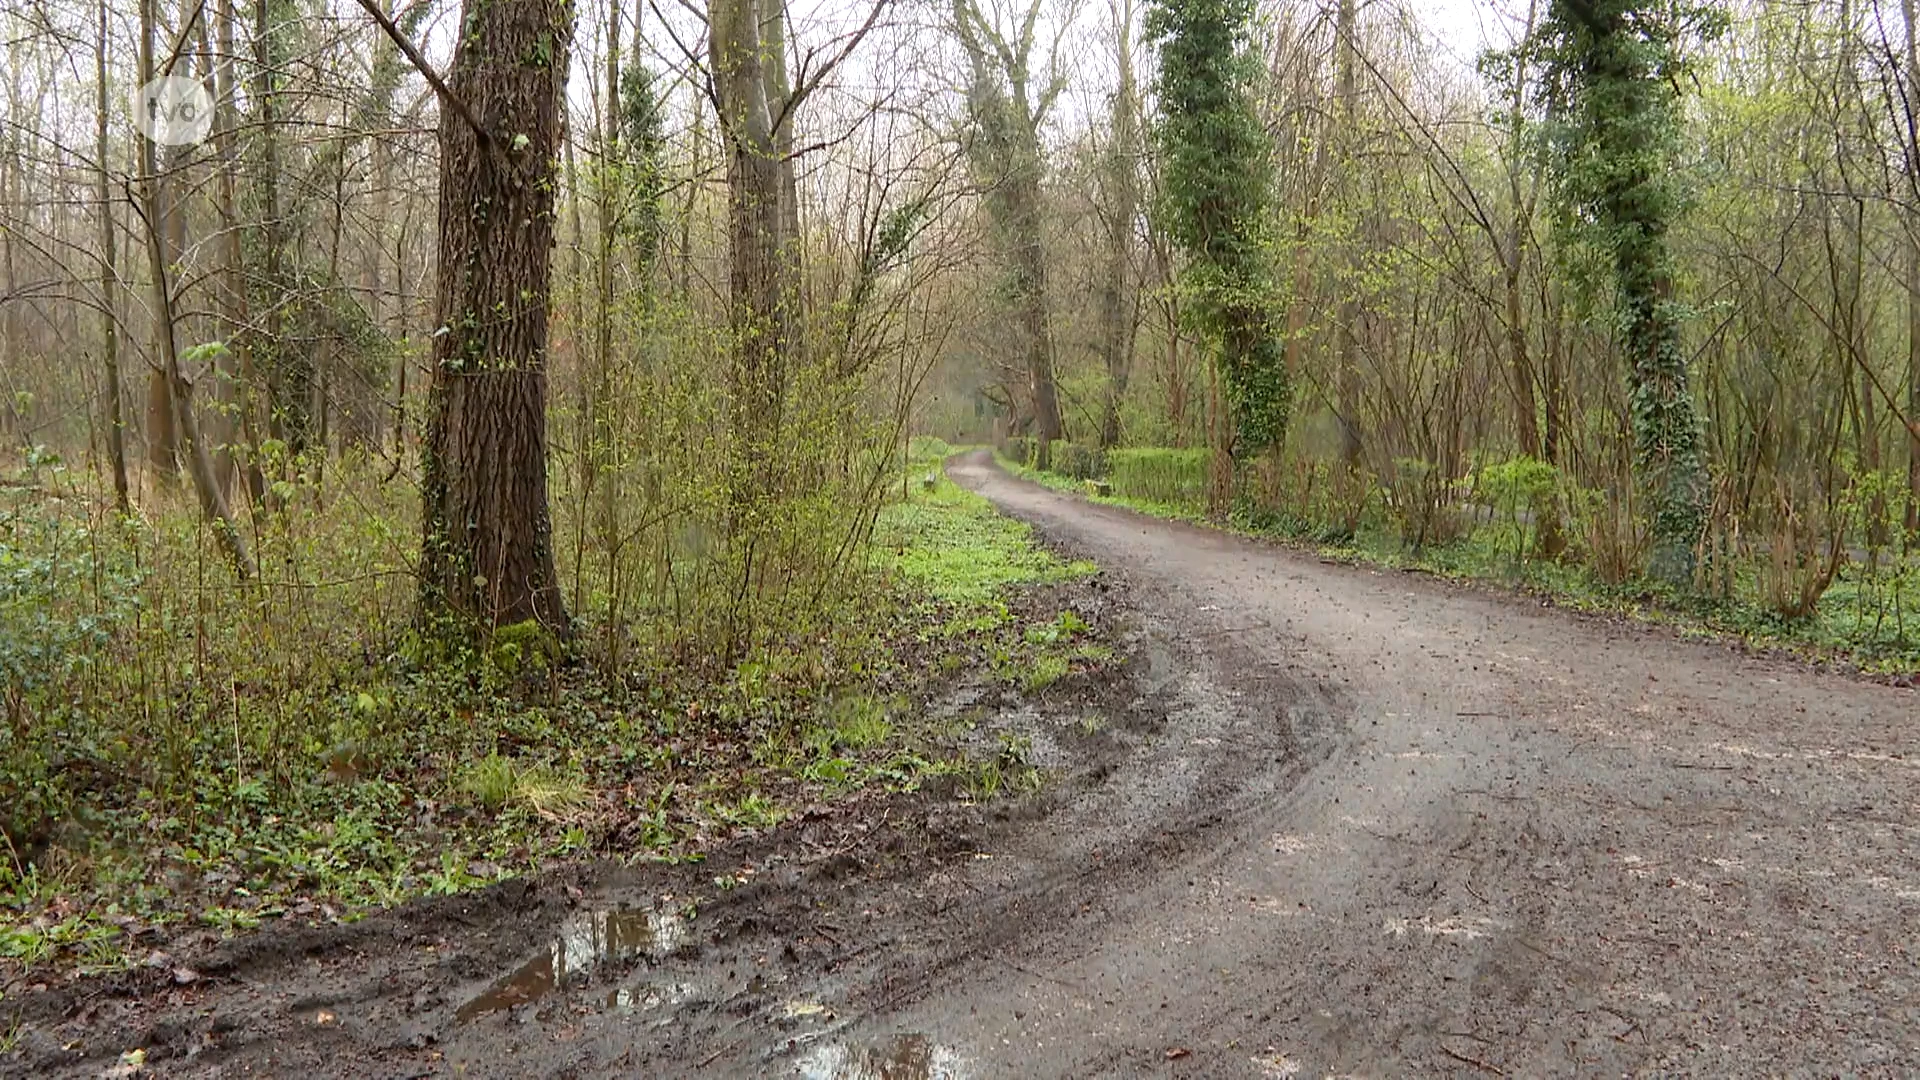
(645,997)
(585,942)
(903,1057)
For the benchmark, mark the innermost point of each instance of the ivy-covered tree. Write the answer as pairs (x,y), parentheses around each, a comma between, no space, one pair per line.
(1217,180)
(1611,77)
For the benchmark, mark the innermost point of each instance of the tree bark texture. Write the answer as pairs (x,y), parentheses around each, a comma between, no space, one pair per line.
(1123,202)
(487,552)
(759,303)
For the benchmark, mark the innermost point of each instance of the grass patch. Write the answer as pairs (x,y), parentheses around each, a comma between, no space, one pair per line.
(950,547)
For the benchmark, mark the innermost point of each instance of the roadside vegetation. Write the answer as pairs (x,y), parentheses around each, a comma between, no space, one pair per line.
(1489,527)
(183,755)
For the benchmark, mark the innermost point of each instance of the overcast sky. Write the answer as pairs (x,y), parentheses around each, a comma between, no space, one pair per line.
(1458,31)
(1465,27)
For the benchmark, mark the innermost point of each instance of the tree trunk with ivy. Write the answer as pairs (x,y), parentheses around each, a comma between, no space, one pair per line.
(1611,74)
(1219,179)
(487,551)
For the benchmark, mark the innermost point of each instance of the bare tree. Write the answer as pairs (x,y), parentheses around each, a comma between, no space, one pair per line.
(1007,103)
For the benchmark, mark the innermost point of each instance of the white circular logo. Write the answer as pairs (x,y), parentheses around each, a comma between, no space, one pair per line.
(174,110)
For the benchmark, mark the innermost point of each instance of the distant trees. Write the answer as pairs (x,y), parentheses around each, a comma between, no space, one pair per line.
(1010,90)
(1296,230)
(1611,77)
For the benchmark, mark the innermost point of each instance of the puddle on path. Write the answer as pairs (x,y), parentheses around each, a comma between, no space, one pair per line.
(585,942)
(902,1057)
(646,997)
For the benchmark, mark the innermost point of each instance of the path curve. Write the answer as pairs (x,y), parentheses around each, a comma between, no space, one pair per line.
(1526,842)
(1329,821)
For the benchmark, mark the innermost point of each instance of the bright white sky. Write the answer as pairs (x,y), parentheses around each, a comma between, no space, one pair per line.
(1466,27)
(1459,30)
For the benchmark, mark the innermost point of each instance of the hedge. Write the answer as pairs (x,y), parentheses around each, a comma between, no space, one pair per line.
(1079,461)
(1159,475)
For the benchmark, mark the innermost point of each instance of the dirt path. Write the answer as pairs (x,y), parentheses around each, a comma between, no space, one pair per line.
(1341,823)
(1527,842)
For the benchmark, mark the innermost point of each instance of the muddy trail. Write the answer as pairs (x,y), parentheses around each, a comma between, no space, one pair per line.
(1332,821)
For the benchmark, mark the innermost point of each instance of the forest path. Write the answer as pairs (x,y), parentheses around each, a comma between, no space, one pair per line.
(1523,841)
(1329,821)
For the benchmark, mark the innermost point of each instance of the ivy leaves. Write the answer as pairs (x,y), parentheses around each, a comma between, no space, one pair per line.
(1216,202)
(1610,85)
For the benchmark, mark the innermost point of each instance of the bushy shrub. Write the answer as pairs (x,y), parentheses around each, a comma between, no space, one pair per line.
(1021,450)
(928,448)
(1159,475)
(1079,461)
(1522,490)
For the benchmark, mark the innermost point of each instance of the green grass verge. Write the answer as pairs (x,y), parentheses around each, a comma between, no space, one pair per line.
(952,548)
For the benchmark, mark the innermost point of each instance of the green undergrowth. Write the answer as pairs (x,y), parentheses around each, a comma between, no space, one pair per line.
(1869,618)
(962,564)
(1171,511)
(178,753)
(956,551)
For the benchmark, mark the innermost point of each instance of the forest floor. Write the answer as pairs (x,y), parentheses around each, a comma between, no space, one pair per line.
(1326,820)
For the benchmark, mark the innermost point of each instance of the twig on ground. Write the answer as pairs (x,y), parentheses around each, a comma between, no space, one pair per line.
(1483,1066)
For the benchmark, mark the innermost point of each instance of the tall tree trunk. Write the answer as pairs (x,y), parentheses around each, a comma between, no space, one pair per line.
(12,343)
(487,550)
(162,431)
(237,387)
(166,237)
(780,104)
(1528,387)
(1912,222)
(1123,203)
(610,178)
(1622,107)
(1347,333)
(1913,383)
(1008,163)
(116,424)
(1854,318)
(372,266)
(585,460)
(290,369)
(1030,293)
(759,315)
